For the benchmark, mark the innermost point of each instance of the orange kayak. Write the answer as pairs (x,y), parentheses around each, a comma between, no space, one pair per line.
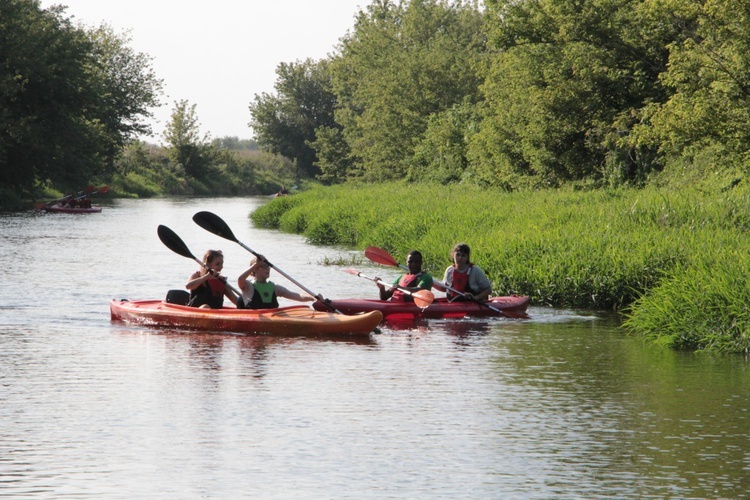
(285,321)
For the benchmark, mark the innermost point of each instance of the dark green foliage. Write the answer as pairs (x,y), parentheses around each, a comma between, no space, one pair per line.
(403,63)
(566,89)
(441,154)
(69,98)
(285,123)
(708,77)
(334,156)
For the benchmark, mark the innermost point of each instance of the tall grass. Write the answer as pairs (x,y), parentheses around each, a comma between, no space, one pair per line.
(672,261)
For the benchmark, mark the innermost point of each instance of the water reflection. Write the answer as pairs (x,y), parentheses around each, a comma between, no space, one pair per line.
(562,406)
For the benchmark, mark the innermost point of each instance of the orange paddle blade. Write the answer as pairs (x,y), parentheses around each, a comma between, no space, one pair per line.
(423,298)
(380,256)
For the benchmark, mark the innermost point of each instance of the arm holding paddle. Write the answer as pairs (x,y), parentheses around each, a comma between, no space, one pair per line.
(175,243)
(75,198)
(380,256)
(413,281)
(260,270)
(422,298)
(466,277)
(207,285)
(216,225)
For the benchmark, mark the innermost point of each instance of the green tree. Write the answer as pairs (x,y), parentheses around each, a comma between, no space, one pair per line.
(185,144)
(127,82)
(708,111)
(403,63)
(567,87)
(68,97)
(334,157)
(441,154)
(285,123)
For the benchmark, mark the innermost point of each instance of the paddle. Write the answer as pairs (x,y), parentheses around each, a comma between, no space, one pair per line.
(380,256)
(101,190)
(422,298)
(215,224)
(80,194)
(174,243)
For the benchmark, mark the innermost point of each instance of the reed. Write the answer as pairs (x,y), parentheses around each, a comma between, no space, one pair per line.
(670,260)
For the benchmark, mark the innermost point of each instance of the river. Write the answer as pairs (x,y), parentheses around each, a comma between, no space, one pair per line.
(564,405)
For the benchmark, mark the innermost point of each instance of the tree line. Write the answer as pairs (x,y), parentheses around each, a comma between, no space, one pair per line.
(70,97)
(74,99)
(516,94)
(507,94)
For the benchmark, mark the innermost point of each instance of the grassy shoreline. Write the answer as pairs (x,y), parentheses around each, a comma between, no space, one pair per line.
(673,262)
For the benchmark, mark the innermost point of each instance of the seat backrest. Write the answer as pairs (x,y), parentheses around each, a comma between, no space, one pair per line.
(181,297)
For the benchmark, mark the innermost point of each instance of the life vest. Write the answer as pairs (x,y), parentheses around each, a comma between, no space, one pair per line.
(406,281)
(210,292)
(459,282)
(264,296)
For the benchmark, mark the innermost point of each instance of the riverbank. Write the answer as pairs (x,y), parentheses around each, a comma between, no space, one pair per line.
(672,261)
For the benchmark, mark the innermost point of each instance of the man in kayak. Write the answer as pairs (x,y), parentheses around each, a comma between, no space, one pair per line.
(414,281)
(261,293)
(207,286)
(465,277)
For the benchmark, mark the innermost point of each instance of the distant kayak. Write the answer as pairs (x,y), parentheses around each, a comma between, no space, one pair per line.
(58,209)
(77,203)
(511,306)
(283,321)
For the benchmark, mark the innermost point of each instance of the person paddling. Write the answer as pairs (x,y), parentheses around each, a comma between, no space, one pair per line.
(207,286)
(261,293)
(465,277)
(414,281)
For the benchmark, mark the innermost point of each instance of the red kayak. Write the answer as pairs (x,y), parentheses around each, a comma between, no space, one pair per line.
(58,209)
(513,306)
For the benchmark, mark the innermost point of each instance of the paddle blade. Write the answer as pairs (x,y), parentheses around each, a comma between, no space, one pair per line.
(104,190)
(423,298)
(214,224)
(173,242)
(380,256)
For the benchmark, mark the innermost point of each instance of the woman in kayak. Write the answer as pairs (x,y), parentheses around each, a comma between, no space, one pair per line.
(414,281)
(463,276)
(261,293)
(207,286)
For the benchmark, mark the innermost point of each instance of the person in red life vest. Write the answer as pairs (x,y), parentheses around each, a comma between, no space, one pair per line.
(207,286)
(261,293)
(465,277)
(414,281)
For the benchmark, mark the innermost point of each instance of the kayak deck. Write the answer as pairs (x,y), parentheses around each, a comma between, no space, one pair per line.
(287,321)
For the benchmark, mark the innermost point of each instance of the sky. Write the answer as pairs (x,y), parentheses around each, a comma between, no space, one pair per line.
(219,54)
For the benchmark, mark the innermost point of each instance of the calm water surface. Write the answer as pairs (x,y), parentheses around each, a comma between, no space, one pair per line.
(562,406)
